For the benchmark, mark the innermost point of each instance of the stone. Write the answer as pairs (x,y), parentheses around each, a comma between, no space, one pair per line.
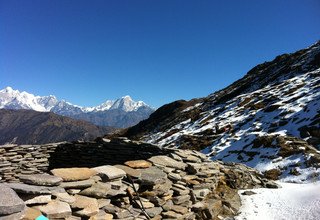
(123,214)
(34,190)
(103,202)
(174,176)
(168,205)
(32,199)
(102,190)
(152,176)
(171,215)
(65,197)
(248,193)
(55,209)
(179,209)
(31,214)
(73,191)
(180,199)
(14,216)
(161,189)
(72,217)
(109,172)
(9,201)
(201,193)
(180,192)
(102,215)
(191,158)
(154,211)
(82,184)
(89,206)
(129,171)
(111,209)
(73,174)
(167,162)
(41,179)
(138,164)
(146,204)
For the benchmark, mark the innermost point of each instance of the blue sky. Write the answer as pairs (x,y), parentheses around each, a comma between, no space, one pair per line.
(157,51)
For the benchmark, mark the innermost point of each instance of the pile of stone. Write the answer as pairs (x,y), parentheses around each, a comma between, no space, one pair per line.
(24,159)
(180,185)
(16,160)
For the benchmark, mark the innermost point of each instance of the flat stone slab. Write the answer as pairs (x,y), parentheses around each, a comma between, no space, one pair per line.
(109,172)
(65,197)
(9,201)
(77,184)
(34,190)
(55,209)
(153,176)
(129,171)
(167,162)
(14,216)
(137,164)
(88,206)
(41,179)
(103,190)
(39,199)
(73,174)
(102,215)
(31,214)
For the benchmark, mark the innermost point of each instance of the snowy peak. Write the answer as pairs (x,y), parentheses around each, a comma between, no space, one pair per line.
(125,104)
(14,99)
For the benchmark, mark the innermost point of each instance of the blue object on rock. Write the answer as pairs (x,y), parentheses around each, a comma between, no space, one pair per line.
(41,217)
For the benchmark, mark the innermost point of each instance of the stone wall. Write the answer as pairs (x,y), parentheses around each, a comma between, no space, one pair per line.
(33,159)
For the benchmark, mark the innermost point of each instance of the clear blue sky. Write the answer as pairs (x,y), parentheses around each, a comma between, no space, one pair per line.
(157,51)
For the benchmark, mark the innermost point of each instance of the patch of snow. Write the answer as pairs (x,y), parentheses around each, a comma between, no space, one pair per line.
(292,201)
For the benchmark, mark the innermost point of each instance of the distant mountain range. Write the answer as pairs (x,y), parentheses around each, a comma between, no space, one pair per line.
(121,113)
(32,127)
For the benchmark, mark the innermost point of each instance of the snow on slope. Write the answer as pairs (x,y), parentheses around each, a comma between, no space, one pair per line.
(277,110)
(14,99)
(292,201)
(283,108)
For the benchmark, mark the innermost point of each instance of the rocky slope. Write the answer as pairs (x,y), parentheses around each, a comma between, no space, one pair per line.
(31,127)
(178,184)
(269,119)
(123,112)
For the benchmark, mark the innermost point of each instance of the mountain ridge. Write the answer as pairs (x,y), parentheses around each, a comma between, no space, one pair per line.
(31,127)
(121,108)
(276,104)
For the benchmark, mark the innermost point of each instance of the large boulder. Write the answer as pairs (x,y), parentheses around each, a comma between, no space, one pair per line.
(9,201)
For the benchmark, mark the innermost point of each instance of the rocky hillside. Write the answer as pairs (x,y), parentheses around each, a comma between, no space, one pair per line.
(178,184)
(31,127)
(269,119)
(120,113)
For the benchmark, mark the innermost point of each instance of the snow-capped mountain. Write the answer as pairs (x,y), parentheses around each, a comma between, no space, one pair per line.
(269,119)
(123,107)
(125,103)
